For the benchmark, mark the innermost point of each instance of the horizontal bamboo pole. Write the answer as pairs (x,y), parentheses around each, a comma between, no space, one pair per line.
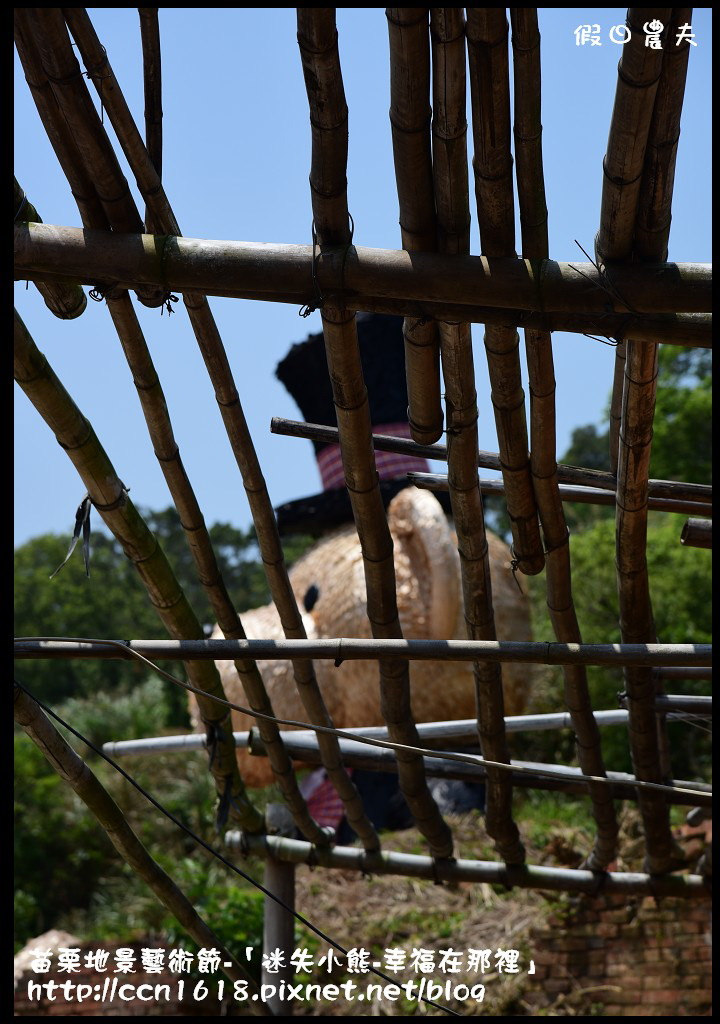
(66,301)
(675,489)
(520,876)
(350,649)
(75,772)
(527,774)
(569,493)
(697,533)
(252,269)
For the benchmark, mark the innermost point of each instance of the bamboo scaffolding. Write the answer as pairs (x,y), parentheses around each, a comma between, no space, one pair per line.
(65,301)
(109,496)
(168,455)
(317,39)
(351,649)
(451,198)
(73,770)
(676,490)
(567,493)
(216,361)
(520,876)
(487,33)
(410,124)
(697,533)
(638,75)
(571,294)
(639,71)
(58,66)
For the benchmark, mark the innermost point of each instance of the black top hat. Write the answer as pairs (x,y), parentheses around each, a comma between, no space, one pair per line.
(304,373)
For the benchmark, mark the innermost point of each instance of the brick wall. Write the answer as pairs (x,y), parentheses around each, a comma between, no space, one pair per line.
(625,956)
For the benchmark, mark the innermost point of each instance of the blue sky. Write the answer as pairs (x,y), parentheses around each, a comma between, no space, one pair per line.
(236,161)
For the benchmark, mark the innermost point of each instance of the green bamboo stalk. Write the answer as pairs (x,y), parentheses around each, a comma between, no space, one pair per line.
(317,38)
(490,93)
(109,496)
(66,301)
(410,124)
(543,462)
(73,770)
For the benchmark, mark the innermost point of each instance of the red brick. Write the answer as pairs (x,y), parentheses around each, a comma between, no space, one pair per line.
(664,997)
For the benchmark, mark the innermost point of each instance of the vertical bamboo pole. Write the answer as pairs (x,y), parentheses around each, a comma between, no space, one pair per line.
(317,38)
(538,344)
(410,123)
(635,110)
(216,361)
(152,85)
(638,75)
(487,33)
(452,201)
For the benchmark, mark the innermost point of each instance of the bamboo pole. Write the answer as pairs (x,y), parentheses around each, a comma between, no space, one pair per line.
(152,83)
(59,66)
(697,533)
(317,39)
(571,294)
(215,357)
(583,495)
(57,129)
(351,649)
(66,301)
(109,496)
(451,198)
(676,489)
(492,163)
(638,75)
(521,876)
(410,125)
(167,452)
(73,770)
(656,122)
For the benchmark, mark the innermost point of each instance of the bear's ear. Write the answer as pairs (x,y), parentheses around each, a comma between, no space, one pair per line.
(424,546)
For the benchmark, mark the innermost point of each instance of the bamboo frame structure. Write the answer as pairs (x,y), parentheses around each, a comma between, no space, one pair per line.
(273,560)
(631,295)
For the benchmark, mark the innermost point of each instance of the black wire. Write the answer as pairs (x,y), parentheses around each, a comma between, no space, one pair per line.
(211,849)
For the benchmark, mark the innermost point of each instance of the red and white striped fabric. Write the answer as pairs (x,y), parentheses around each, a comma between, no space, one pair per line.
(390,465)
(324,804)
